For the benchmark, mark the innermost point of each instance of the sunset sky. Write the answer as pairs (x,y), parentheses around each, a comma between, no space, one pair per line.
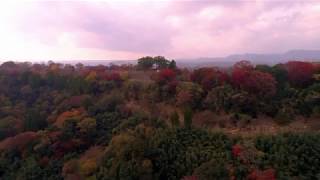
(128,29)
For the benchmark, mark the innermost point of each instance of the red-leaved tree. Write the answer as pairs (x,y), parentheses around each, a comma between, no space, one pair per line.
(165,76)
(240,71)
(19,142)
(268,174)
(246,78)
(300,73)
(209,77)
(260,83)
(236,150)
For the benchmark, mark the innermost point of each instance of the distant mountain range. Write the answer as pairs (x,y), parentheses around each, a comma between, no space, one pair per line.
(270,59)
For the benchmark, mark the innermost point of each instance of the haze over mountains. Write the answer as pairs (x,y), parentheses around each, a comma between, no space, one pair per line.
(255,58)
(307,55)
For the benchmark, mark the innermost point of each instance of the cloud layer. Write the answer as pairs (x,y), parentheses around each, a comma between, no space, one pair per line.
(109,29)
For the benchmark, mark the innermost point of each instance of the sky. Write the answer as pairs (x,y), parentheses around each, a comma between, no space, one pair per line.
(129,29)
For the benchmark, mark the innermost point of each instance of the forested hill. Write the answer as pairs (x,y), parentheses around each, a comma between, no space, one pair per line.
(154,120)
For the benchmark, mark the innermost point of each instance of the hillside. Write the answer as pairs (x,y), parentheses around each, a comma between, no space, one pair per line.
(155,120)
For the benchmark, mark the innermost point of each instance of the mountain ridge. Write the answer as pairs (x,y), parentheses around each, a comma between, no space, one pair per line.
(255,58)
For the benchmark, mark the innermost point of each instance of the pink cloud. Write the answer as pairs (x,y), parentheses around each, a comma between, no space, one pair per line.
(171,28)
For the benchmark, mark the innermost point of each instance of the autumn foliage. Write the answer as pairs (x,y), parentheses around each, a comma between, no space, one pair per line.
(19,142)
(236,150)
(61,147)
(300,73)
(114,76)
(268,174)
(209,77)
(86,165)
(246,78)
(75,114)
(190,178)
(156,121)
(165,76)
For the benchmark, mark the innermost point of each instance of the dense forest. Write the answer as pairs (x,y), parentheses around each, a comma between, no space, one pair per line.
(155,120)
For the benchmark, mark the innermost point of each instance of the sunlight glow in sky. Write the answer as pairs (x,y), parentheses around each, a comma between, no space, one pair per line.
(128,29)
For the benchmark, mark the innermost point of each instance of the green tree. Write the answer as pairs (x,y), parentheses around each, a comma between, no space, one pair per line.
(145,62)
(34,120)
(188,115)
(161,62)
(87,127)
(172,64)
(69,128)
(174,118)
(215,169)
(218,99)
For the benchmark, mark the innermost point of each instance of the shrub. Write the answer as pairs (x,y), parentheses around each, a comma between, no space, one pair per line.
(180,151)
(291,155)
(188,115)
(212,170)
(284,116)
(316,112)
